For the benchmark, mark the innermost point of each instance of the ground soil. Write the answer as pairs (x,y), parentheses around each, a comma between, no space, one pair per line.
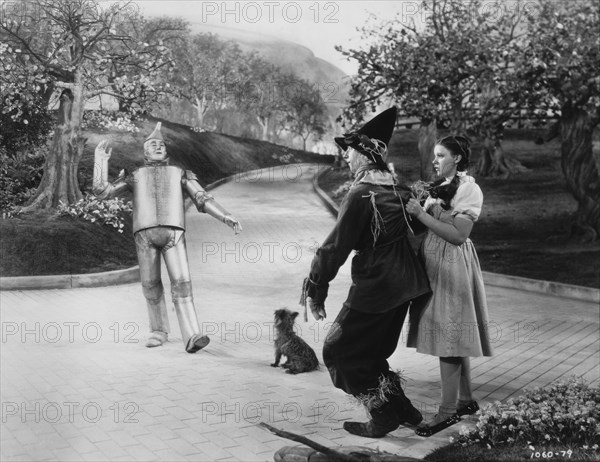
(42,243)
(523,228)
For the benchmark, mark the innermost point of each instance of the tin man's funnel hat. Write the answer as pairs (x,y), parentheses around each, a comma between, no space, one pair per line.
(156,134)
(372,138)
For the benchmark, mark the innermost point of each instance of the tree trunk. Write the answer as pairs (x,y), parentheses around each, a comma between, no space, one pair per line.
(580,166)
(427,138)
(220,122)
(493,161)
(59,182)
(201,108)
(456,122)
(123,104)
(264,126)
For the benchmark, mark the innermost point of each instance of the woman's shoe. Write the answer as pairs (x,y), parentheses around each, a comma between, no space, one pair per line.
(437,424)
(467,409)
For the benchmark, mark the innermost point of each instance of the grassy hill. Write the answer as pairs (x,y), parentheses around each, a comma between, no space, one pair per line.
(210,155)
(42,243)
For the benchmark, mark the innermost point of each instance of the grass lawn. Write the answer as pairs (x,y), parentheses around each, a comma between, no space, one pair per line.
(522,230)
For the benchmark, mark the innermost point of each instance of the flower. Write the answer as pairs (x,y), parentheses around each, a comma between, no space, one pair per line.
(566,411)
(108,212)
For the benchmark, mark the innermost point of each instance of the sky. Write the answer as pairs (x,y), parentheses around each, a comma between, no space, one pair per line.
(317,25)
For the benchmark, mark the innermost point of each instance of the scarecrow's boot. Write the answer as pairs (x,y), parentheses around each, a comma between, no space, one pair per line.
(384,419)
(407,413)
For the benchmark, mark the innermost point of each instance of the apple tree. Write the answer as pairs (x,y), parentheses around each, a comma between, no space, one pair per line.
(563,54)
(81,49)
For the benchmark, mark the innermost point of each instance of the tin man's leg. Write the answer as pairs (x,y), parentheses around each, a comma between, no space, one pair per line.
(181,289)
(149,261)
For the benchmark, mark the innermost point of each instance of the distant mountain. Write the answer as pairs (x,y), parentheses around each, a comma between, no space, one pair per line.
(292,57)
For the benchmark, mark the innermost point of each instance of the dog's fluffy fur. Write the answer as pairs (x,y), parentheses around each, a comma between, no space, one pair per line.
(300,356)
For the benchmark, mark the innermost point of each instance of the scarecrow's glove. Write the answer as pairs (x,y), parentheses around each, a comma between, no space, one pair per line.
(317,309)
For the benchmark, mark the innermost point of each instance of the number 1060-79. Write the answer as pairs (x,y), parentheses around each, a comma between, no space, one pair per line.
(550,454)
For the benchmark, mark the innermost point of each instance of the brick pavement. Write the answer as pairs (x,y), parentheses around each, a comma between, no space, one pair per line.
(77,383)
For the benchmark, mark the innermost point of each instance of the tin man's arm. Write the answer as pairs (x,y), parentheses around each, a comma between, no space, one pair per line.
(206,203)
(100,186)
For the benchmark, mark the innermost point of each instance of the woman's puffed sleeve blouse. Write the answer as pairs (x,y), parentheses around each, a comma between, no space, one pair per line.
(468,200)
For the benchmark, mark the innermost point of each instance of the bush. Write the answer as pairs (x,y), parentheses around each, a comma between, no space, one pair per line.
(20,176)
(283,158)
(565,413)
(107,212)
(27,131)
(109,120)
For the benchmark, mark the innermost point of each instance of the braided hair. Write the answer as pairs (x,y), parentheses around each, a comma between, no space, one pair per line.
(458,146)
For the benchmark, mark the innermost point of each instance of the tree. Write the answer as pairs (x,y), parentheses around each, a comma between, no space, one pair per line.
(564,51)
(502,89)
(439,71)
(24,118)
(265,94)
(305,111)
(209,72)
(77,46)
(140,79)
(386,72)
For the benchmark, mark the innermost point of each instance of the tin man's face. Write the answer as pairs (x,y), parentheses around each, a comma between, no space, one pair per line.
(155,150)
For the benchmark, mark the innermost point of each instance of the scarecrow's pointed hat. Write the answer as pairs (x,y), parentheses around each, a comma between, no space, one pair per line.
(379,128)
(156,134)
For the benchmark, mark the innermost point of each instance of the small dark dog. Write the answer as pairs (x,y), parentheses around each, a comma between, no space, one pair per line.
(300,356)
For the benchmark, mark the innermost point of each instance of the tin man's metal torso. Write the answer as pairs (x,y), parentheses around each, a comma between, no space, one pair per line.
(158,197)
(159,229)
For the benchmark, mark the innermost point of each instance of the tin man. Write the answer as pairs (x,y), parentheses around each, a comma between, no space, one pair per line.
(159,228)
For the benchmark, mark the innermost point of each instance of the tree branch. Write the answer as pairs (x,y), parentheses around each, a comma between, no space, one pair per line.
(335,455)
